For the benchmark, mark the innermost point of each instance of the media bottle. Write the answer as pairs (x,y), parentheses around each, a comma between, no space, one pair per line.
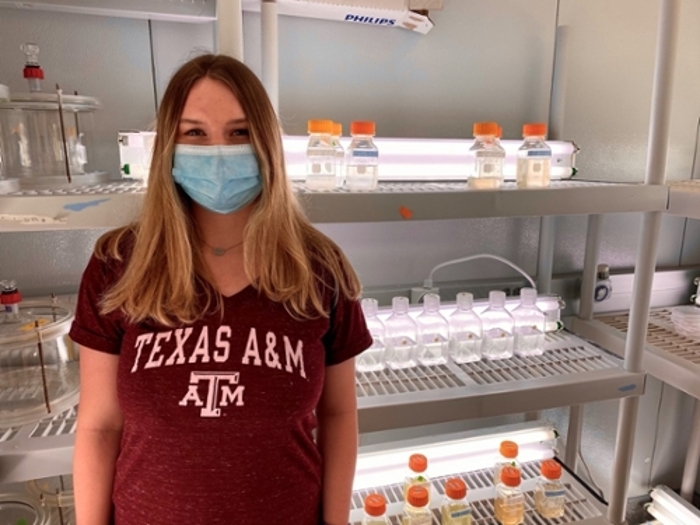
(372,359)
(401,335)
(498,326)
(465,331)
(339,154)
(433,333)
(509,505)
(417,474)
(507,457)
(529,325)
(362,158)
(416,510)
(455,509)
(375,510)
(550,494)
(320,156)
(534,157)
(486,158)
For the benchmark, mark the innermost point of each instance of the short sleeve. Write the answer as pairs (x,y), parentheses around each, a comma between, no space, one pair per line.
(90,327)
(347,335)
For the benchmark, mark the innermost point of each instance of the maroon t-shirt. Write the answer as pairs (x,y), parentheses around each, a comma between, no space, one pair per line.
(219,414)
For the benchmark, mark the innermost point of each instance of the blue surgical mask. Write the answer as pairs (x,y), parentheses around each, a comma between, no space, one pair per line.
(222,179)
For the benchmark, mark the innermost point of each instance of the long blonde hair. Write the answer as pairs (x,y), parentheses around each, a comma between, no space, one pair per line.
(165,274)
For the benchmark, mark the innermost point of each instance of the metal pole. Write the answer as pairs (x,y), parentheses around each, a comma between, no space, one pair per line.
(646,257)
(270,50)
(229,28)
(573,436)
(692,459)
(545,255)
(590,266)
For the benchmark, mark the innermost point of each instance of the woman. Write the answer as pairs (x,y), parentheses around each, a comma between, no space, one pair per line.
(217,332)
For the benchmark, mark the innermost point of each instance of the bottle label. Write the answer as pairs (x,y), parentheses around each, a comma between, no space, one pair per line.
(539,153)
(461,513)
(365,153)
(555,493)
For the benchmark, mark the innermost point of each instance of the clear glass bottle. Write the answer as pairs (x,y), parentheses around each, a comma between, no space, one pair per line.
(486,158)
(529,325)
(507,457)
(417,474)
(455,509)
(416,510)
(465,331)
(401,335)
(10,299)
(433,333)
(375,510)
(339,154)
(509,505)
(362,158)
(320,156)
(372,359)
(534,157)
(550,494)
(498,327)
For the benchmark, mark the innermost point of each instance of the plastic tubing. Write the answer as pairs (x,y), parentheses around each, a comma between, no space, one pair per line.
(428,283)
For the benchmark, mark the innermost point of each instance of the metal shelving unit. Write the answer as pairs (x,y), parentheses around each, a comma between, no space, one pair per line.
(114,204)
(670,357)
(684,198)
(40,450)
(581,506)
(570,372)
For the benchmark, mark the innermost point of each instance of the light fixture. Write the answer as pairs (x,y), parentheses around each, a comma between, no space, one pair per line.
(455,454)
(414,160)
(670,509)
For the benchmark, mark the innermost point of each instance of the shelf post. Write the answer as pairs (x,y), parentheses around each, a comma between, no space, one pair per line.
(229,28)
(270,50)
(646,255)
(692,459)
(590,267)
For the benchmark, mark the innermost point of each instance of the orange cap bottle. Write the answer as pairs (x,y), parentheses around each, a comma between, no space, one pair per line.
(509,449)
(320,126)
(337,129)
(510,476)
(362,127)
(485,128)
(550,469)
(418,463)
(375,505)
(535,129)
(418,496)
(456,488)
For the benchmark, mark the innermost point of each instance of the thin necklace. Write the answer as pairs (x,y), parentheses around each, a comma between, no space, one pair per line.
(220,251)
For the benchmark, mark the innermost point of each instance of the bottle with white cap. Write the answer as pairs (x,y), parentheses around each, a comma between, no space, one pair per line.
(433,333)
(498,328)
(401,335)
(529,325)
(465,331)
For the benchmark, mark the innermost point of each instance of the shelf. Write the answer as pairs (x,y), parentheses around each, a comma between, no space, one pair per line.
(571,372)
(581,506)
(684,198)
(37,451)
(670,357)
(115,204)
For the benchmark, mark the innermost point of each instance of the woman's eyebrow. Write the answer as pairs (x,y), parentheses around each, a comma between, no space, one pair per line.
(199,122)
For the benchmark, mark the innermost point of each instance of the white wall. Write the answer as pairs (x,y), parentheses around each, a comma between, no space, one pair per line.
(483,60)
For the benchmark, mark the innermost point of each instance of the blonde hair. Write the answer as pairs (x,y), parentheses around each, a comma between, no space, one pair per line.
(165,273)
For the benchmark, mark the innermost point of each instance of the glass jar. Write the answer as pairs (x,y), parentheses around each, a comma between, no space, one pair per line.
(550,494)
(42,146)
(39,372)
(455,509)
(416,510)
(509,505)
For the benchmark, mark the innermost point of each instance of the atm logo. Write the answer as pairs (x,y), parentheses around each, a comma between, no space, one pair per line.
(370,20)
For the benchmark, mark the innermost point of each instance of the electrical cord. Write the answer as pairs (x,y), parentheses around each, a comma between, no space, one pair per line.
(590,475)
(428,283)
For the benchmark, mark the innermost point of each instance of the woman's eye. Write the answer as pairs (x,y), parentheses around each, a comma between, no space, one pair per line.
(194,133)
(240,132)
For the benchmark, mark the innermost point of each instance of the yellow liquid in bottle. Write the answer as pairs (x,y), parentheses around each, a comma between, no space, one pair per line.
(549,501)
(509,512)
